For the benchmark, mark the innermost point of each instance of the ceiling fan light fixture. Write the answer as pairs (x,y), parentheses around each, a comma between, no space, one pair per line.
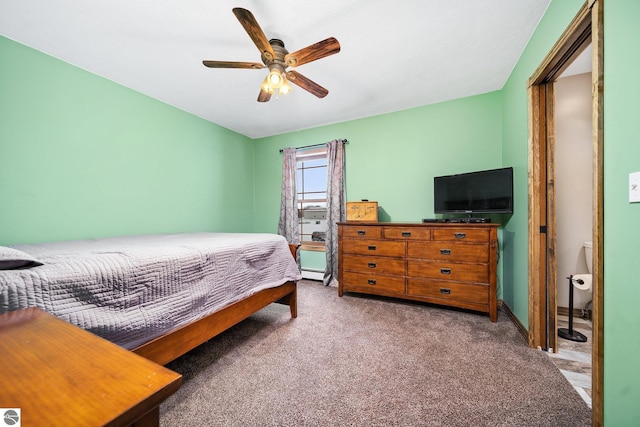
(276,81)
(286,87)
(265,86)
(276,78)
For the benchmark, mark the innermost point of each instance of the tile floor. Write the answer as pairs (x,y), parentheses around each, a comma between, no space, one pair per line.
(574,358)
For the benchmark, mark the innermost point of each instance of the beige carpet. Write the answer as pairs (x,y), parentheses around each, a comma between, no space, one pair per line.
(368,361)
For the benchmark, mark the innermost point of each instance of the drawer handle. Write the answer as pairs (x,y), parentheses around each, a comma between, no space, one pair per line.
(406,234)
(460,235)
(361,232)
(445,251)
(445,270)
(371,247)
(445,291)
(371,281)
(371,265)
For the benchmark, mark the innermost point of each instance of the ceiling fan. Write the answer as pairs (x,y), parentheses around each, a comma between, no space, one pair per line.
(277,59)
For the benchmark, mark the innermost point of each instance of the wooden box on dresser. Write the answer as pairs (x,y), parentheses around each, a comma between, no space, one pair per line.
(452,264)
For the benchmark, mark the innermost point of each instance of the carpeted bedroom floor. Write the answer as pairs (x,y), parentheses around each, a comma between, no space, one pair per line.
(370,361)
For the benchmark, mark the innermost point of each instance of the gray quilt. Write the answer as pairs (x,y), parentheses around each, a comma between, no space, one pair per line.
(130,290)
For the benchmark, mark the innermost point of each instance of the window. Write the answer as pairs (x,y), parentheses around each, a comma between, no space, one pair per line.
(312,197)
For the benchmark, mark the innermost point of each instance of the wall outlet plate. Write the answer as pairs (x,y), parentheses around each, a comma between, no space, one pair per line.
(634,187)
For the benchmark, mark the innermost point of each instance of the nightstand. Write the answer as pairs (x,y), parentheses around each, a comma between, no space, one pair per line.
(59,374)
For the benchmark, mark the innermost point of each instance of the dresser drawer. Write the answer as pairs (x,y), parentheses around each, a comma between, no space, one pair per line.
(374,247)
(372,283)
(448,251)
(374,265)
(466,292)
(353,232)
(408,233)
(448,270)
(462,234)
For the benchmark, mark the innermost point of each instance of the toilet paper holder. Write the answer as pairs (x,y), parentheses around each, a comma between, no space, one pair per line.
(569,333)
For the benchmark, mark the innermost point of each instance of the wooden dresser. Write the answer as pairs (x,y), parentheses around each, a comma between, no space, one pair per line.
(452,264)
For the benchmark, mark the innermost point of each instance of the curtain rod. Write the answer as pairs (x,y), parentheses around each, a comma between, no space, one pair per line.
(344,141)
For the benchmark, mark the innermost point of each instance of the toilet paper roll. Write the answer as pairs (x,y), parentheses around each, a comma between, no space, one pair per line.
(584,278)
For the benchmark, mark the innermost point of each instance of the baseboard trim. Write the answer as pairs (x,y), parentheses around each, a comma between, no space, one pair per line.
(563,311)
(523,331)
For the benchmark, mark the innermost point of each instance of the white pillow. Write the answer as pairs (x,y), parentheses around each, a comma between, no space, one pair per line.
(11,259)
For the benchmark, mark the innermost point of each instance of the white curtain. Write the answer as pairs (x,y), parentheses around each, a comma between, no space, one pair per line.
(288,224)
(336,207)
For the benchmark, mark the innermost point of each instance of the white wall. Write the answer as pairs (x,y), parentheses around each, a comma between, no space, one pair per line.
(574,174)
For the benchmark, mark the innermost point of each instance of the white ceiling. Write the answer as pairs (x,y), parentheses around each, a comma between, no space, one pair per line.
(396,54)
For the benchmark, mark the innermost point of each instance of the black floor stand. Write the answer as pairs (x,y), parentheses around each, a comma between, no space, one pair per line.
(570,334)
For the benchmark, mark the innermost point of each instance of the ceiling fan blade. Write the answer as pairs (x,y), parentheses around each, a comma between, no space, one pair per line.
(264,96)
(252,28)
(306,84)
(313,52)
(231,64)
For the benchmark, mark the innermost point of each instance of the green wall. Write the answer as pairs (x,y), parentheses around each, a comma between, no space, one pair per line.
(83,157)
(313,260)
(621,218)
(392,158)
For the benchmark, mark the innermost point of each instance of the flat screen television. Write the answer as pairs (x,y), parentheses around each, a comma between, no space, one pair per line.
(487,192)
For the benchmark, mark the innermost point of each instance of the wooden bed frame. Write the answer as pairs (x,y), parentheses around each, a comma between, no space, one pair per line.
(174,344)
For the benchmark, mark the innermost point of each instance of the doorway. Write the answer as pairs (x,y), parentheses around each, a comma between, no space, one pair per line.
(584,30)
(573,223)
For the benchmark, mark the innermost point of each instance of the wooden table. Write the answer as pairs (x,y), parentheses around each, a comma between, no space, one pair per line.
(59,374)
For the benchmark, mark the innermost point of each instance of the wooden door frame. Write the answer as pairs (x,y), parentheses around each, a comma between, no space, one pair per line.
(586,28)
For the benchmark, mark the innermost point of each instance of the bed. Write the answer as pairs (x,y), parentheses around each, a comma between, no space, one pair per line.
(156,295)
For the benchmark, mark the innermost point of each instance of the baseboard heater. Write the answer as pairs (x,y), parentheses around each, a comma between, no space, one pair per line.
(312,274)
